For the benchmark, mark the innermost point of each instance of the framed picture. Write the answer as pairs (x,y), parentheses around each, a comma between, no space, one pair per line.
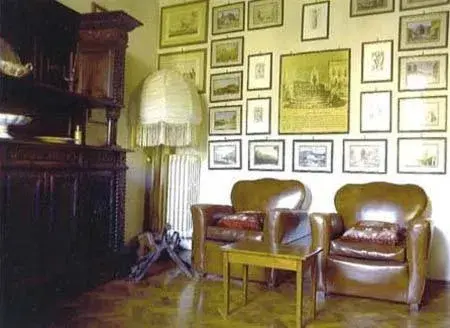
(192,64)
(371,7)
(312,156)
(265,13)
(228,18)
(259,75)
(414,4)
(227,52)
(224,155)
(314,92)
(225,120)
(258,115)
(375,115)
(226,86)
(422,155)
(423,72)
(376,61)
(315,21)
(365,156)
(422,114)
(423,31)
(185,23)
(266,155)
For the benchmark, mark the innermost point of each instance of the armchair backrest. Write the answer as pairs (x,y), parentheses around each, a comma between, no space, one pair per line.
(381,201)
(268,193)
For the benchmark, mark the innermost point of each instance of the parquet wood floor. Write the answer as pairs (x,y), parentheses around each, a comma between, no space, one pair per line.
(169,299)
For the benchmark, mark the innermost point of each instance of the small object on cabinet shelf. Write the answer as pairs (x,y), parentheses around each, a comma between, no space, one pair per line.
(11,119)
(78,135)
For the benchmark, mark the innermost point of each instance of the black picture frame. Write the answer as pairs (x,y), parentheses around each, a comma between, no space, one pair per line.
(224,129)
(367,153)
(419,117)
(385,126)
(425,155)
(252,3)
(353,9)
(266,155)
(239,52)
(325,31)
(220,95)
(312,160)
(376,59)
(227,7)
(259,74)
(403,4)
(265,115)
(214,163)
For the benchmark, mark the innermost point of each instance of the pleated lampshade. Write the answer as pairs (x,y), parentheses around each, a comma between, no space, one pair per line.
(170,110)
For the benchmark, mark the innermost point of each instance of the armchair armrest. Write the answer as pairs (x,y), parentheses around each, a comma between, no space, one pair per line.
(418,238)
(202,217)
(324,228)
(284,225)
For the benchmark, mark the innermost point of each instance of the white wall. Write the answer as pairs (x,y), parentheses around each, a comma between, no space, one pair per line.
(345,32)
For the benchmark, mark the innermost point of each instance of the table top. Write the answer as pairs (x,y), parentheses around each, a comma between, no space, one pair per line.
(276,250)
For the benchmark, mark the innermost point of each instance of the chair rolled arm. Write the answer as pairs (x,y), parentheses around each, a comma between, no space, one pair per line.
(282,225)
(418,237)
(324,228)
(202,217)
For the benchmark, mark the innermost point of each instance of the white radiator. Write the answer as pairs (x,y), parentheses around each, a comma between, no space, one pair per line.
(183,190)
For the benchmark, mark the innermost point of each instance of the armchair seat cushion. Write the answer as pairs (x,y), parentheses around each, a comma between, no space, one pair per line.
(367,250)
(221,234)
(377,232)
(248,220)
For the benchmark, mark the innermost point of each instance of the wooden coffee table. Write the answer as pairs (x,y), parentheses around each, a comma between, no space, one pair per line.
(284,257)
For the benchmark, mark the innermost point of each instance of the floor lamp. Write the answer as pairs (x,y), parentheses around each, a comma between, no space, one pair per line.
(170,113)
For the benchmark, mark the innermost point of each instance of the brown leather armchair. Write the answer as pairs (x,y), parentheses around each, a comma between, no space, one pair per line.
(396,273)
(285,220)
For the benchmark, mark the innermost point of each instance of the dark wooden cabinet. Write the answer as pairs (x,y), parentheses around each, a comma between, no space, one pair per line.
(61,219)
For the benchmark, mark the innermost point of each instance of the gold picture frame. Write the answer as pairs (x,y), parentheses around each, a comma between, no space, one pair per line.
(184,24)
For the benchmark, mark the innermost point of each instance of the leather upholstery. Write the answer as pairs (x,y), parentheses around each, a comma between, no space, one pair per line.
(284,203)
(396,273)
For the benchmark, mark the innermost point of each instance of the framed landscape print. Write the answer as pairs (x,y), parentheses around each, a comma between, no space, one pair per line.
(371,7)
(227,52)
(225,86)
(314,92)
(375,111)
(228,18)
(315,21)
(265,13)
(376,61)
(423,31)
(312,156)
(422,155)
(183,24)
(422,114)
(225,120)
(266,155)
(414,4)
(423,72)
(365,156)
(224,155)
(258,115)
(259,75)
(191,64)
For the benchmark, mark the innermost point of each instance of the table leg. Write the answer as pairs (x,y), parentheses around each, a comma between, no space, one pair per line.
(299,293)
(245,282)
(226,283)
(314,284)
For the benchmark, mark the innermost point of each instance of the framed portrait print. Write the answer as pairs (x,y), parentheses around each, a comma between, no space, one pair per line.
(228,18)
(375,111)
(369,7)
(422,155)
(192,64)
(227,52)
(423,72)
(266,155)
(315,21)
(225,120)
(365,156)
(376,61)
(183,24)
(258,115)
(259,75)
(312,156)
(415,4)
(424,31)
(314,92)
(265,14)
(422,114)
(224,155)
(225,86)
